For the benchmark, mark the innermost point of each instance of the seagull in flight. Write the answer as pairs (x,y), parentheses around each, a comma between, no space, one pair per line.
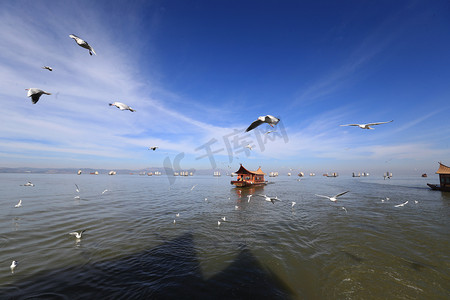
(293,203)
(152,148)
(270,131)
(400,205)
(76,234)
(13,265)
(367,126)
(271,120)
(104,191)
(77,189)
(47,68)
(82,43)
(334,198)
(271,199)
(249,197)
(249,147)
(224,219)
(193,187)
(28,184)
(121,106)
(18,204)
(35,94)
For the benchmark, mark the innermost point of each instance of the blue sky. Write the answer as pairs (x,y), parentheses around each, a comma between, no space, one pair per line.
(199,72)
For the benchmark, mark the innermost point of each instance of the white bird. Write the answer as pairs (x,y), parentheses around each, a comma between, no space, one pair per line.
(76,234)
(174,221)
(18,204)
(121,106)
(267,198)
(47,68)
(206,199)
(334,198)
(344,209)
(249,147)
(152,148)
(104,191)
(236,207)
(224,219)
(403,204)
(293,203)
(82,43)
(35,94)
(218,223)
(367,126)
(248,197)
(416,202)
(177,215)
(270,131)
(77,189)
(271,120)
(28,184)
(387,199)
(193,186)
(13,265)
(76,197)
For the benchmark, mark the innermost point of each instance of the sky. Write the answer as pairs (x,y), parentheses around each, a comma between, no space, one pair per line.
(198,73)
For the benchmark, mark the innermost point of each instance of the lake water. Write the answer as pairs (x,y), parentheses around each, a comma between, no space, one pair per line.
(132,249)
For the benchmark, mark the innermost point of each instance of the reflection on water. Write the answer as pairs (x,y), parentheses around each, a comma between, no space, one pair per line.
(131,248)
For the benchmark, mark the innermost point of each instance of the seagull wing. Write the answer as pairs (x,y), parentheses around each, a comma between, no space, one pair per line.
(35,98)
(350,125)
(254,125)
(323,196)
(378,123)
(338,195)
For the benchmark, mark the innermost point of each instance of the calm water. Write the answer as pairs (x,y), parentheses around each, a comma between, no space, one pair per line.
(132,249)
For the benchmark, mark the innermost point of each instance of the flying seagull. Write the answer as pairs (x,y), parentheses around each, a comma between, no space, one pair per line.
(121,106)
(13,266)
(271,120)
(82,43)
(76,234)
(153,148)
(271,199)
(367,126)
(47,68)
(77,189)
(18,204)
(28,184)
(334,198)
(249,147)
(403,204)
(35,94)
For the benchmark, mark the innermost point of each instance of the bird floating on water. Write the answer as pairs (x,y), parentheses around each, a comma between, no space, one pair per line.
(333,198)
(367,126)
(18,204)
(121,106)
(82,43)
(293,203)
(47,68)
(152,148)
(35,94)
(271,120)
(78,234)
(177,215)
(13,265)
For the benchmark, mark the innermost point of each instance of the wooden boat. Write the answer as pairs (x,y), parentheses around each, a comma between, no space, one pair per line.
(444,179)
(247,178)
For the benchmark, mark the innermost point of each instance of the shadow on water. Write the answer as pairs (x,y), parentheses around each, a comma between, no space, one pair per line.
(169,271)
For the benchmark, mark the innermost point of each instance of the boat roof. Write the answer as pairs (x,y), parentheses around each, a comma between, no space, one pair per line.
(244,170)
(443,169)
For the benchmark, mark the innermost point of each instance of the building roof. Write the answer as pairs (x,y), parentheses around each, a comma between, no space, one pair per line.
(244,170)
(443,169)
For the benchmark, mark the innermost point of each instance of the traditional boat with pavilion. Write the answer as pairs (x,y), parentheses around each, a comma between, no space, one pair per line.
(249,178)
(444,179)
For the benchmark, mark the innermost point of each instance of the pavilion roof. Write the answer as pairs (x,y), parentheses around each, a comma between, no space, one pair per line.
(443,169)
(244,170)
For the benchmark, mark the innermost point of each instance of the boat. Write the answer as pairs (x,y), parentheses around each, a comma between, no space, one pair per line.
(246,178)
(79,172)
(444,179)
(112,173)
(301,174)
(216,173)
(334,174)
(387,175)
(424,175)
(149,173)
(356,175)
(273,174)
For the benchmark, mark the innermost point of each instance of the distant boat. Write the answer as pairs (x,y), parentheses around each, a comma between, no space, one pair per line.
(157,173)
(249,178)
(424,175)
(273,174)
(312,174)
(356,175)
(79,172)
(112,173)
(387,175)
(334,174)
(301,174)
(217,173)
(289,174)
(149,174)
(94,173)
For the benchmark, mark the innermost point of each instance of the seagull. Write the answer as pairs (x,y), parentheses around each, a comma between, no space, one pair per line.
(104,191)
(249,196)
(416,202)
(387,199)
(270,131)
(403,204)
(224,219)
(249,147)
(293,203)
(35,94)
(267,198)
(28,184)
(334,198)
(177,215)
(18,204)
(121,106)
(236,207)
(271,120)
(344,209)
(78,190)
(13,265)
(218,223)
(367,126)
(47,68)
(82,43)
(76,234)
(193,186)
(76,197)
(151,148)
(174,221)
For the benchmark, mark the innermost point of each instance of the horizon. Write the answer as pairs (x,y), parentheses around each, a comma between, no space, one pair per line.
(198,74)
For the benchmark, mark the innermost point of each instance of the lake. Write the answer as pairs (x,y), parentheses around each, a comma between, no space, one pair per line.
(359,247)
